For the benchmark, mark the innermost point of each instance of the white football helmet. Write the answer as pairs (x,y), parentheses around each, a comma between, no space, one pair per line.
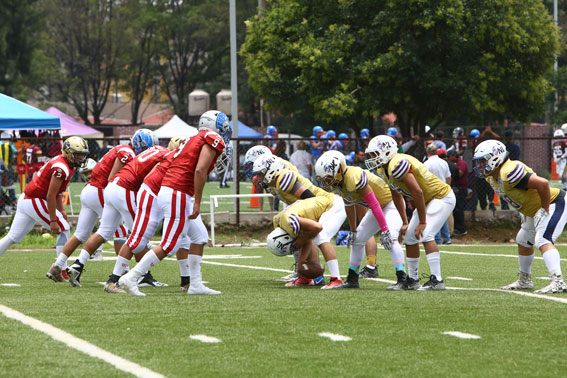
(269,166)
(279,242)
(224,159)
(330,169)
(493,153)
(86,169)
(564,128)
(251,155)
(558,134)
(216,121)
(380,151)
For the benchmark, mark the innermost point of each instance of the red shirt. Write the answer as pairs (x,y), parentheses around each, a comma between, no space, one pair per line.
(31,154)
(133,174)
(181,173)
(39,185)
(153,181)
(101,171)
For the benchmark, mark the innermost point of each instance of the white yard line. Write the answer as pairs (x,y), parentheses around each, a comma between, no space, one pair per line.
(461,335)
(80,344)
(205,338)
(489,255)
(334,336)
(10,284)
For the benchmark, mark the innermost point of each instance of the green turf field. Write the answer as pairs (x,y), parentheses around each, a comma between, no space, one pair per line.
(266,329)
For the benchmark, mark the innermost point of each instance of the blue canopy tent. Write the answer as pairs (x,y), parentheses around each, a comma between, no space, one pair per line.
(16,115)
(246,132)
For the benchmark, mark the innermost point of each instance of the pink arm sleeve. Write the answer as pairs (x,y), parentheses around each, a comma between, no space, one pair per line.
(372,202)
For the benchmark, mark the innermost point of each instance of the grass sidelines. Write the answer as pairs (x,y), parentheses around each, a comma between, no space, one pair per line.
(268,330)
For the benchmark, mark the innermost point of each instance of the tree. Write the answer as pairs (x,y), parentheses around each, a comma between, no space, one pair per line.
(85,40)
(427,61)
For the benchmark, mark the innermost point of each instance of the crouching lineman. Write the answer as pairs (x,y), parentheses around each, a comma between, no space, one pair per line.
(290,186)
(42,200)
(92,203)
(297,227)
(434,201)
(543,211)
(185,178)
(358,186)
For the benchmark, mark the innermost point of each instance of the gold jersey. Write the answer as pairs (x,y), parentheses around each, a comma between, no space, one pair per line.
(401,165)
(355,179)
(310,208)
(288,179)
(527,201)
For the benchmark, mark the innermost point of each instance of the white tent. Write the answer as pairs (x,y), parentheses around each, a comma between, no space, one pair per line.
(175,126)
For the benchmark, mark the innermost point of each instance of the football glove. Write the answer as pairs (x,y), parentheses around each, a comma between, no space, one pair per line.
(351,238)
(386,239)
(540,216)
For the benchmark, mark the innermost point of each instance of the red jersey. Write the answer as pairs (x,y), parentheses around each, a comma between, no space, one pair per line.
(559,148)
(31,154)
(181,173)
(133,174)
(101,171)
(153,181)
(39,185)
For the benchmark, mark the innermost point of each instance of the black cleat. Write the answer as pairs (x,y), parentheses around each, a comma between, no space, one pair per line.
(148,280)
(368,272)
(433,284)
(401,279)
(74,271)
(350,283)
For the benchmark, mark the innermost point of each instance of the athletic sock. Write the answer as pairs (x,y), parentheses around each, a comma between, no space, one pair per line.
(195,270)
(122,264)
(413,267)
(61,261)
(434,260)
(371,260)
(333,266)
(552,261)
(185,280)
(184,267)
(5,243)
(526,263)
(149,260)
(84,256)
(397,256)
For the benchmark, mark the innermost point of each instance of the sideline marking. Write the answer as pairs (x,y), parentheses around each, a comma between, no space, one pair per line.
(334,336)
(543,278)
(459,278)
(10,284)
(205,338)
(461,335)
(490,255)
(80,344)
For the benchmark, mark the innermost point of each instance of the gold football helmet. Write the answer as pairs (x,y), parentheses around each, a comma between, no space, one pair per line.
(76,150)
(176,141)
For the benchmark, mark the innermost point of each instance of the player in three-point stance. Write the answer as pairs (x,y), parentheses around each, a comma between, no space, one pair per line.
(184,180)
(42,200)
(542,210)
(434,201)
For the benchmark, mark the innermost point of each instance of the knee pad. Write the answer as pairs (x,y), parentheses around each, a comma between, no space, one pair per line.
(62,238)
(540,240)
(525,238)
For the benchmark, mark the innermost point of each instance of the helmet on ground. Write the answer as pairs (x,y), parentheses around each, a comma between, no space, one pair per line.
(224,159)
(251,155)
(488,156)
(475,133)
(457,132)
(343,136)
(365,133)
(392,131)
(75,150)
(331,134)
(143,139)
(380,151)
(330,169)
(317,130)
(269,166)
(86,169)
(558,134)
(176,141)
(564,128)
(272,130)
(218,122)
(279,242)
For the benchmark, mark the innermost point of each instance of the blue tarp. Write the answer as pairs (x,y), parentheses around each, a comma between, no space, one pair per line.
(246,132)
(15,114)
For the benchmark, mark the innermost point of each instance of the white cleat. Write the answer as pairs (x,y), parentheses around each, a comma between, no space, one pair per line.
(524,283)
(202,290)
(130,285)
(557,285)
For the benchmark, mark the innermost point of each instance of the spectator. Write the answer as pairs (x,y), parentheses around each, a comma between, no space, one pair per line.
(460,188)
(439,168)
(302,160)
(439,135)
(105,148)
(359,159)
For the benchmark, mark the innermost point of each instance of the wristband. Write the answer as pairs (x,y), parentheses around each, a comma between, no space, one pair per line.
(53,220)
(422,222)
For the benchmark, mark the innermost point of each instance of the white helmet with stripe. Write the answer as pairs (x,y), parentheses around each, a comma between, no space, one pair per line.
(330,169)
(279,242)
(488,156)
(270,166)
(381,149)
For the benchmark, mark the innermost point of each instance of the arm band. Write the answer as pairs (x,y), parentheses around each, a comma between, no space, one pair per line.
(307,194)
(372,202)
(523,184)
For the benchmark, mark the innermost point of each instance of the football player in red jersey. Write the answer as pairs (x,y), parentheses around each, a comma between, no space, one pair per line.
(92,202)
(560,155)
(42,200)
(183,181)
(120,198)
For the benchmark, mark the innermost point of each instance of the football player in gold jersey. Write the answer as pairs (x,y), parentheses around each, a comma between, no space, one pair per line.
(358,186)
(543,211)
(434,201)
(290,186)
